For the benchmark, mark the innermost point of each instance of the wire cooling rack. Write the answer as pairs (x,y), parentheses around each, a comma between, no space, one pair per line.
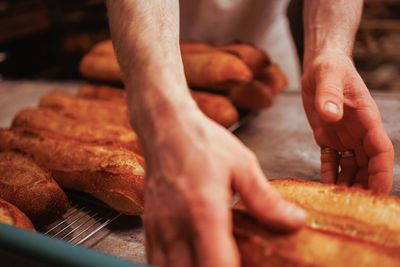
(85,218)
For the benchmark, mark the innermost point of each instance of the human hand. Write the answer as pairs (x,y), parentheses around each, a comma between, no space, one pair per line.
(191,171)
(346,119)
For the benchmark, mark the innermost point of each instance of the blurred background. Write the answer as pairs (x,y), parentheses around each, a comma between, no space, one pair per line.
(45,39)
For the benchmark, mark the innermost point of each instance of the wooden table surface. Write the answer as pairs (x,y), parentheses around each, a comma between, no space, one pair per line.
(280,136)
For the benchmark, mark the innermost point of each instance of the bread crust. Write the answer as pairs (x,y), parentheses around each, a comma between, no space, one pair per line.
(9,214)
(217,107)
(89,168)
(306,247)
(31,188)
(86,110)
(345,227)
(50,123)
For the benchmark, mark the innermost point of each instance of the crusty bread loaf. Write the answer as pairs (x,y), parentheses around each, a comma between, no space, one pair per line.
(345,227)
(273,76)
(102,67)
(86,110)
(251,55)
(112,175)
(30,188)
(9,214)
(214,69)
(254,95)
(350,211)
(259,246)
(48,122)
(216,107)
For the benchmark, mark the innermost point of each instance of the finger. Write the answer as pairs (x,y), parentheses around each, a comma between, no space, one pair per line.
(329,167)
(154,253)
(264,202)
(215,245)
(348,166)
(329,94)
(379,149)
(180,255)
(361,178)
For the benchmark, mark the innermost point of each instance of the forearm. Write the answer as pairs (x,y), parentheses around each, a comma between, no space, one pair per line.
(330,26)
(145,35)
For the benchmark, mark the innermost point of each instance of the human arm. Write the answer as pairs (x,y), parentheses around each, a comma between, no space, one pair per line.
(339,107)
(191,162)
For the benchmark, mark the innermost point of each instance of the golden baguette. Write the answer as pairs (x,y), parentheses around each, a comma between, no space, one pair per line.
(115,176)
(259,246)
(195,47)
(254,95)
(102,67)
(86,110)
(274,77)
(48,122)
(254,57)
(351,211)
(213,69)
(345,227)
(31,188)
(216,107)
(9,214)
(103,48)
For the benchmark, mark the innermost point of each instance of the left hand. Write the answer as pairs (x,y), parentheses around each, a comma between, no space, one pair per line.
(344,117)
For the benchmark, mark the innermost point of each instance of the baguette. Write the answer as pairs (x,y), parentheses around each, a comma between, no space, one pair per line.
(351,211)
(252,56)
(103,48)
(216,107)
(86,110)
(47,122)
(102,67)
(306,247)
(346,226)
(115,176)
(9,214)
(254,95)
(274,77)
(31,188)
(214,69)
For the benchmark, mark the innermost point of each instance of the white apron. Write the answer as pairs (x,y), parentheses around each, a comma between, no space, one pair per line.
(260,22)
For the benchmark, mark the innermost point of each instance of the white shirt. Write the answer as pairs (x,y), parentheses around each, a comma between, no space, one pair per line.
(260,22)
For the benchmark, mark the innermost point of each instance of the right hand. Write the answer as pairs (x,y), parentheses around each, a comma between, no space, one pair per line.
(191,171)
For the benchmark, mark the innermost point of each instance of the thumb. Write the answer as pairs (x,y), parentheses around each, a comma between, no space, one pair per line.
(329,96)
(264,202)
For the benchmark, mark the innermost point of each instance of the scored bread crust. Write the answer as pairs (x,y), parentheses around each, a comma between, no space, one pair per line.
(9,214)
(86,110)
(352,211)
(259,246)
(48,122)
(113,175)
(31,188)
(345,227)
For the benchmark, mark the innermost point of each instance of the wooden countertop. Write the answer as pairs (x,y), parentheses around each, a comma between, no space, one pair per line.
(280,136)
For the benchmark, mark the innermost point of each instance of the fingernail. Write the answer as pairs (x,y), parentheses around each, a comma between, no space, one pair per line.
(331,108)
(296,212)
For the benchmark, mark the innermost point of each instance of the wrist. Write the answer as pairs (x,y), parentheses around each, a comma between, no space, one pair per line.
(312,57)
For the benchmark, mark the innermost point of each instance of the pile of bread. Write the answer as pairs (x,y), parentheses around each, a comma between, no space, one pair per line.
(84,142)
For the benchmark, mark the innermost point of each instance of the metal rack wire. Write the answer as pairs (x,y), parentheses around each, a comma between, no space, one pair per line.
(85,218)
